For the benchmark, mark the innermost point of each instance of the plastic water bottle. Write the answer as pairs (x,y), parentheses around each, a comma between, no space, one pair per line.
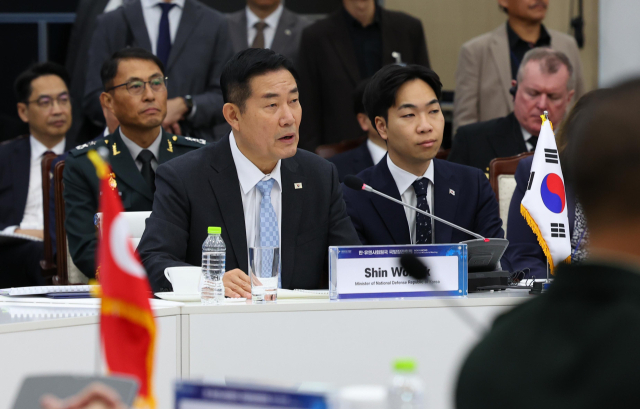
(213,263)
(406,390)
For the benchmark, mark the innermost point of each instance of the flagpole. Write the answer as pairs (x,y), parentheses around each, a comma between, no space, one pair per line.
(548,281)
(104,154)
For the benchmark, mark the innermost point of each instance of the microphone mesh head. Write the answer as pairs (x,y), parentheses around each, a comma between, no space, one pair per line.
(353,182)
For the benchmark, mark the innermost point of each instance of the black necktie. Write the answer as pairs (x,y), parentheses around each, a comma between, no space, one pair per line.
(145,156)
(533,140)
(423,223)
(163,47)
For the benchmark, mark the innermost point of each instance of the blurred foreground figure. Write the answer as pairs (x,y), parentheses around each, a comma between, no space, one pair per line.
(577,344)
(94,396)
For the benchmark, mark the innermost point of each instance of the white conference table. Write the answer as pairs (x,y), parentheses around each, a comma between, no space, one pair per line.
(292,341)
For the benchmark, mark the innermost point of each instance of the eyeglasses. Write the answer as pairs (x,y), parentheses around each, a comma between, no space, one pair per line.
(46,102)
(137,87)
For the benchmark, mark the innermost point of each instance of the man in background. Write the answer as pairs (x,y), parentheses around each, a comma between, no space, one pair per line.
(545,82)
(45,105)
(338,52)
(191,40)
(267,24)
(370,152)
(488,63)
(586,328)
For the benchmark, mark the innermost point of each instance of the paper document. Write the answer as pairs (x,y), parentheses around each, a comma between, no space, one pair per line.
(47,289)
(12,238)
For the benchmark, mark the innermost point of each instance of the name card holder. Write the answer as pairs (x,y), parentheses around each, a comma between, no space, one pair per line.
(375,271)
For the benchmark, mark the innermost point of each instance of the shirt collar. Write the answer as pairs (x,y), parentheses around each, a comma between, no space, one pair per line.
(271,20)
(248,174)
(404,179)
(135,149)
(154,3)
(544,39)
(355,23)
(376,152)
(38,149)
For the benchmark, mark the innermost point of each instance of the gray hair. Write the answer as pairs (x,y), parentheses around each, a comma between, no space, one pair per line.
(550,62)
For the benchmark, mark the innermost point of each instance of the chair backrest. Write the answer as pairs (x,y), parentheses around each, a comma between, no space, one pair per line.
(136,222)
(329,150)
(48,264)
(502,178)
(443,154)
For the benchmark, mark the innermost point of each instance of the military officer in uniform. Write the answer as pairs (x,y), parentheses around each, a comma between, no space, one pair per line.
(135,92)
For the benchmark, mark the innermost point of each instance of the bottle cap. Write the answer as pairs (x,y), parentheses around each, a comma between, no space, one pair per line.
(214,230)
(404,365)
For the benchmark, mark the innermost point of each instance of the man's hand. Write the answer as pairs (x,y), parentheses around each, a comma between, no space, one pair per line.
(176,108)
(95,396)
(236,284)
(30,232)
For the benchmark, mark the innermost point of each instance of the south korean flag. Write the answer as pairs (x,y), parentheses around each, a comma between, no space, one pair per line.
(544,205)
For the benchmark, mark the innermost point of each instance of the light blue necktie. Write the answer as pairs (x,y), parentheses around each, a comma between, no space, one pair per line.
(269,236)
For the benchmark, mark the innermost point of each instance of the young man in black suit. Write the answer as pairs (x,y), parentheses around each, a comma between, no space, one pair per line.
(545,82)
(45,105)
(370,152)
(338,52)
(582,336)
(219,186)
(403,102)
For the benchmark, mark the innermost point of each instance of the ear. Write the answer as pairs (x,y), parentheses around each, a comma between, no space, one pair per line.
(503,3)
(570,95)
(23,112)
(381,126)
(106,100)
(232,115)
(364,122)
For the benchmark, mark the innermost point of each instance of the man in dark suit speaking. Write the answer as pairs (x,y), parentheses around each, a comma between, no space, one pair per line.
(403,103)
(222,185)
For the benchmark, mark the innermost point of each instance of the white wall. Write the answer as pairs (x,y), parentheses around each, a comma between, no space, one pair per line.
(619,55)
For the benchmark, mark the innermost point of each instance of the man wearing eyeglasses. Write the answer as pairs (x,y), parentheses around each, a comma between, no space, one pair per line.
(135,92)
(43,103)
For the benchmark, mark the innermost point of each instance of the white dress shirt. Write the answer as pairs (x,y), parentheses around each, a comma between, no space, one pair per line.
(269,31)
(404,181)
(249,175)
(376,152)
(112,5)
(152,13)
(526,135)
(135,149)
(33,217)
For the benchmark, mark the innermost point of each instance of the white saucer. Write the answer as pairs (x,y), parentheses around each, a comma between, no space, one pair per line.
(171,296)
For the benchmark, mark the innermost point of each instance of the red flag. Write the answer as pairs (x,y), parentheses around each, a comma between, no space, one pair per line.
(127,326)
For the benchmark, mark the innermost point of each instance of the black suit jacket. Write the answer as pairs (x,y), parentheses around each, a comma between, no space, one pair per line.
(202,189)
(462,196)
(329,72)
(82,189)
(199,52)
(583,335)
(477,144)
(352,162)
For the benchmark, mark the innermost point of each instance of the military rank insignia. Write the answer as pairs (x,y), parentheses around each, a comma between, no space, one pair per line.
(170,148)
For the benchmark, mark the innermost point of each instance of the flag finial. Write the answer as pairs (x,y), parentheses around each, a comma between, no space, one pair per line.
(102,169)
(546,115)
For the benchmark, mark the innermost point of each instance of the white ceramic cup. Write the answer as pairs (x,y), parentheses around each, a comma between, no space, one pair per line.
(185,280)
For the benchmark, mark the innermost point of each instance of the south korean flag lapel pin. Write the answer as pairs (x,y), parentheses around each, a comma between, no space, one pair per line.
(452,192)
(297,185)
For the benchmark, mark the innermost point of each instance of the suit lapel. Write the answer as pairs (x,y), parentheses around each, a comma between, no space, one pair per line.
(135,22)
(499,50)
(292,203)
(280,40)
(364,155)
(226,188)
(188,21)
(21,169)
(444,202)
(392,214)
(124,166)
(389,34)
(508,140)
(341,41)
(238,25)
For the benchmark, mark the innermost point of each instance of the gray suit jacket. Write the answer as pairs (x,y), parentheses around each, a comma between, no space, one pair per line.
(286,40)
(198,55)
(201,189)
(483,76)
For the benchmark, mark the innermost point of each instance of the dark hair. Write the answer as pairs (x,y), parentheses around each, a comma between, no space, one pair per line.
(247,64)
(22,86)
(110,67)
(602,155)
(380,94)
(358,94)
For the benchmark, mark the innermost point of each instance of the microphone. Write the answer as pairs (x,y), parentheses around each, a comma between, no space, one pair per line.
(414,267)
(355,183)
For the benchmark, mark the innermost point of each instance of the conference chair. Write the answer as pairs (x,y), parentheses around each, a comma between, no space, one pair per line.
(136,221)
(67,272)
(503,182)
(443,154)
(332,149)
(48,264)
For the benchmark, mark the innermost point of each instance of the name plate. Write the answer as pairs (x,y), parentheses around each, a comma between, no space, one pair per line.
(375,271)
